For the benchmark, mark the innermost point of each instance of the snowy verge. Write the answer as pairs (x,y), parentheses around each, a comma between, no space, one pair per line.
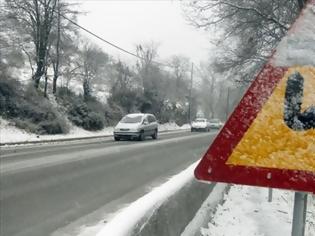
(206,210)
(124,222)
(11,134)
(166,210)
(172,126)
(247,212)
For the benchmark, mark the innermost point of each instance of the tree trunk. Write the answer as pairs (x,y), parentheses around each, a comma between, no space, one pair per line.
(56,67)
(38,74)
(41,63)
(46,83)
(86,89)
(55,84)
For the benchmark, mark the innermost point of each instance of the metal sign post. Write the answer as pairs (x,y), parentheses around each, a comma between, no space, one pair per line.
(270,195)
(299,214)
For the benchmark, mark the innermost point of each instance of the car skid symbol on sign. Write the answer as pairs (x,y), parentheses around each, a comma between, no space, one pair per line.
(293,117)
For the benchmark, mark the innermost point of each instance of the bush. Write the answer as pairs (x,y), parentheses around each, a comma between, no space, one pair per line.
(93,121)
(113,113)
(88,114)
(171,112)
(29,109)
(27,125)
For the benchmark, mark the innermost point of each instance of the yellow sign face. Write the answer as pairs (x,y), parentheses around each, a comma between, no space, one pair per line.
(269,142)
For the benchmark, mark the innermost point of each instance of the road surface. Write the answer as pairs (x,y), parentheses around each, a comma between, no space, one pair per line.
(46,187)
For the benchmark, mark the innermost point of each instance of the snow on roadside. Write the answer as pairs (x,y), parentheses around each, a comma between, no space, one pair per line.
(123,223)
(11,134)
(172,126)
(247,212)
(206,210)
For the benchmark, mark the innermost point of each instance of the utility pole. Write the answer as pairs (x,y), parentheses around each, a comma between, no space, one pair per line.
(190,91)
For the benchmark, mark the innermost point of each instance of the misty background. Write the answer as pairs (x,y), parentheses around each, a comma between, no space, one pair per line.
(91,62)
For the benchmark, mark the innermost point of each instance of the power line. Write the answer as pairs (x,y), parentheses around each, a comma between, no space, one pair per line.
(106,41)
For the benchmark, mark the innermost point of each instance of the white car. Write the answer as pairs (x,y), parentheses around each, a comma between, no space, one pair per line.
(200,124)
(137,125)
(215,124)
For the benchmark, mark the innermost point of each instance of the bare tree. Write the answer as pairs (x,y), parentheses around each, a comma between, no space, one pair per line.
(123,77)
(56,59)
(37,18)
(245,31)
(62,39)
(91,63)
(124,90)
(181,66)
(11,44)
(148,52)
(208,89)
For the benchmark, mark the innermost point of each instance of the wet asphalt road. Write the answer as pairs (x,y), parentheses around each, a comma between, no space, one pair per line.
(46,187)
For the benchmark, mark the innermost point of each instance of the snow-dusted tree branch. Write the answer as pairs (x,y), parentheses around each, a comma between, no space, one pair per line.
(244,31)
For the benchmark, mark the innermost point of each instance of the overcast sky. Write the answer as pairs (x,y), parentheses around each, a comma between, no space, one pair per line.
(130,22)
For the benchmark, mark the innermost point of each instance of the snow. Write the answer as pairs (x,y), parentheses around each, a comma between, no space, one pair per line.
(247,212)
(206,209)
(11,134)
(123,223)
(172,126)
(132,115)
(24,74)
(298,47)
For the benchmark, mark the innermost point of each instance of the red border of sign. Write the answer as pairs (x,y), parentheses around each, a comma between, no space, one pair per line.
(213,168)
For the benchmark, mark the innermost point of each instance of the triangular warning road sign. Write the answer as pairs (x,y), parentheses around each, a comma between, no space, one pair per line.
(269,140)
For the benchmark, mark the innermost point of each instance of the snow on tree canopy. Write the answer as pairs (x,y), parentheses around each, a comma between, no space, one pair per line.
(298,47)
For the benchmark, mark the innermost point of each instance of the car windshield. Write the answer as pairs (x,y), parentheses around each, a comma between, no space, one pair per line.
(215,121)
(131,119)
(200,120)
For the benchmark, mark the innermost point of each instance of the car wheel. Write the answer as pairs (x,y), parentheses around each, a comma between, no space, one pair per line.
(141,136)
(117,138)
(155,135)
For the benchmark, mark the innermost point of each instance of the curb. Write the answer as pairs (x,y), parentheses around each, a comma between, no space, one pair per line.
(72,139)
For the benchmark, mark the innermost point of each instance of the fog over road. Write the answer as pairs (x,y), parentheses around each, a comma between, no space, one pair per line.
(48,186)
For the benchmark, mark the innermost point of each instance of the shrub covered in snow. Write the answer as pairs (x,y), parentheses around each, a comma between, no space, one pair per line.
(29,109)
(86,113)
